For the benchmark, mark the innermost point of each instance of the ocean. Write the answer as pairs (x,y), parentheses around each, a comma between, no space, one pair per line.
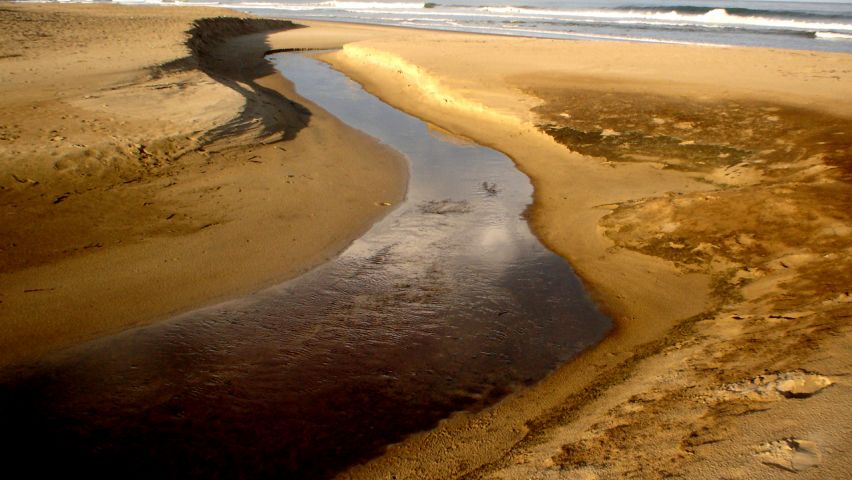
(780,24)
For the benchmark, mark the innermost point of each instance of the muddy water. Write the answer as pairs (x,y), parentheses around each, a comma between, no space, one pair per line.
(447,304)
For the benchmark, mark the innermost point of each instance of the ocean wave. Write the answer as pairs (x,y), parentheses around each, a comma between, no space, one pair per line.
(511,31)
(833,36)
(718,16)
(677,15)
(740,11)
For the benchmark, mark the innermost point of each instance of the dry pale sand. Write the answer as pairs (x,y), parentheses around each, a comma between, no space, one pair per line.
(140,182)
(702,193)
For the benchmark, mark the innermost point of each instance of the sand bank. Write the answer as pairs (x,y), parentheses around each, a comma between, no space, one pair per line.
(140,182)
(703,194)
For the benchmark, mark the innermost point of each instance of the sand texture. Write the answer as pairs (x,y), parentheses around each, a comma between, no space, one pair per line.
(141,182)
(702,193)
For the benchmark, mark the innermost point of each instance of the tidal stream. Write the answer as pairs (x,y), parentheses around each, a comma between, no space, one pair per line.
(446,304)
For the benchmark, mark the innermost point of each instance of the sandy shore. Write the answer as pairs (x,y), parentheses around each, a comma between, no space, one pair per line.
(701,192)
(140,182)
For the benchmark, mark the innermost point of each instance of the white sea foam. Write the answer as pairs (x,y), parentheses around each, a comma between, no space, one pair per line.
(833,36)
(716,17)
(787,29)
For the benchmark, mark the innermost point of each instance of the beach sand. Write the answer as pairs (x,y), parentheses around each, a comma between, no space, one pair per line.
(702,193)
(141,182)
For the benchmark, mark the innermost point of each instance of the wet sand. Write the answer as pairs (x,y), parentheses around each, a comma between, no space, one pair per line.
(728,281)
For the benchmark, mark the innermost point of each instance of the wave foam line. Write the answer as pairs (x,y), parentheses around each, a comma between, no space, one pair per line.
(832,36)
(714,18)
(718,16)
(536,33)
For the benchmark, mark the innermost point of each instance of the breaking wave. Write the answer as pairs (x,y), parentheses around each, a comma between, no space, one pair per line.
(715,17)
(833,36)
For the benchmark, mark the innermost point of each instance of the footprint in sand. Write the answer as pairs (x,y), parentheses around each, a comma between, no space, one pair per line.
(791,454)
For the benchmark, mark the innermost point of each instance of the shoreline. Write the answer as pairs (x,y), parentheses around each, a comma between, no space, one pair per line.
(440,19)
(670,310)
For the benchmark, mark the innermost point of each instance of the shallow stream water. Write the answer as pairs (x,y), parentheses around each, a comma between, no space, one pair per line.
(447,304)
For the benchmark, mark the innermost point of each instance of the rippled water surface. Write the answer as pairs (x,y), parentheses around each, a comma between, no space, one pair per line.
(447,304)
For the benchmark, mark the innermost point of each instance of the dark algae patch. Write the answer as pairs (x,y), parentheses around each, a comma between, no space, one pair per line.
(693,135)
(629,146)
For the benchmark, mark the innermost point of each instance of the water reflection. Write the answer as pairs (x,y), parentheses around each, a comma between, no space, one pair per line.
(446,304)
